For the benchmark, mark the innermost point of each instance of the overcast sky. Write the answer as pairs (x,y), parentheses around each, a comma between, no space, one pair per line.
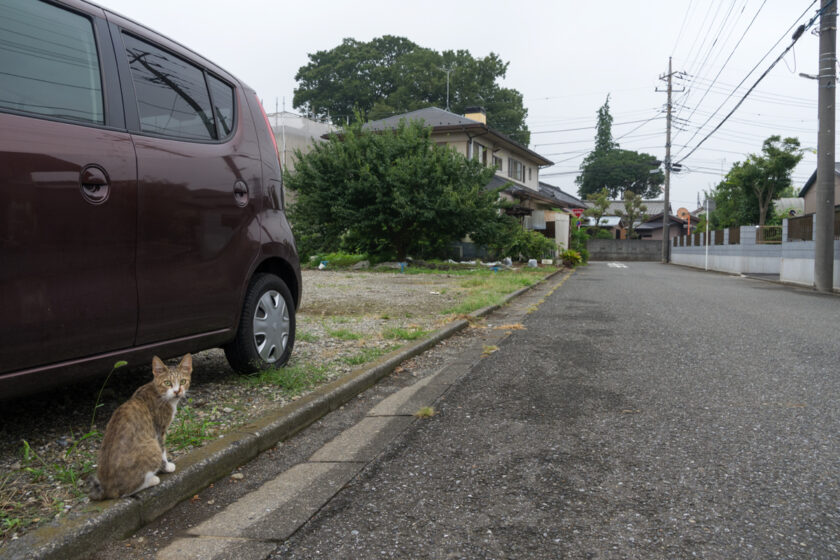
(564,57)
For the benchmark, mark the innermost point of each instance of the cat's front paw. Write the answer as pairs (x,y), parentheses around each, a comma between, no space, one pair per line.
(169,467)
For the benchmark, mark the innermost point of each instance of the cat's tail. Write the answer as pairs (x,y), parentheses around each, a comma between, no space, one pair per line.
(94,488)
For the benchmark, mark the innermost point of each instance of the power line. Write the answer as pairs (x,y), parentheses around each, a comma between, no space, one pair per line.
(591,127)
(727,59)
(796,37)
(685,18)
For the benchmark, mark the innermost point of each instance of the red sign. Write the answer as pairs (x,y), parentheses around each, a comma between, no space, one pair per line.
(578,212)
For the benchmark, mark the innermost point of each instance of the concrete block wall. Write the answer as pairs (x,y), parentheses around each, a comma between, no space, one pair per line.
(624,250)
(747,257)
(793,261)
(797,263)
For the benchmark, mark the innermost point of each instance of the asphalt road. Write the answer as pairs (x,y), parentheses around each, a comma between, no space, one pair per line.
(644,411)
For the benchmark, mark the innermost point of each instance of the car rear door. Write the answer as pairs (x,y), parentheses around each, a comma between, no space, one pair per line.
(199,184)
(67,190)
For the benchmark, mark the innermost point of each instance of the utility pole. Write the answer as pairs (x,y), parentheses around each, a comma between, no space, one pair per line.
(666,215)
(824,212)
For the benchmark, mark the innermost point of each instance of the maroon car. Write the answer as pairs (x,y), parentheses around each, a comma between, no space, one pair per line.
(141,203)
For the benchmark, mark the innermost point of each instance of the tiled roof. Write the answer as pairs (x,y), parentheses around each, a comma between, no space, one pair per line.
(432,116)
(438,118)
(561,195)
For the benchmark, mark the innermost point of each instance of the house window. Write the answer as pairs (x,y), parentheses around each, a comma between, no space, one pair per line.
(516,170)
(497,163)
(529,172)
(480,153)
(538,219)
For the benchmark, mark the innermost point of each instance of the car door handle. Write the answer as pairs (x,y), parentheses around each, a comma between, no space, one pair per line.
(240,193)
(95,184)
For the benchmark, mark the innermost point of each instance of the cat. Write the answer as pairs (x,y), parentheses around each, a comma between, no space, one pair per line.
(133,449)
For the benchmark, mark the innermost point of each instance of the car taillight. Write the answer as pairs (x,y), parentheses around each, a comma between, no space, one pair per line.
(270,132)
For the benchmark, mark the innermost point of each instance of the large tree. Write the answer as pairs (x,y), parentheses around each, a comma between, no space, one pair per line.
(391,194)
(746,196)
(617,170)
(390,75)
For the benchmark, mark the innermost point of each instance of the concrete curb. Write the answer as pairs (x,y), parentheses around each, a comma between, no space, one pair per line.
(76,535)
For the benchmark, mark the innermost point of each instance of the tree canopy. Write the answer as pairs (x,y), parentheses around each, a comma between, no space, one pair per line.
(600,204)
(391,194)
(745,197)
(634,211)
(617,170)
(390,75)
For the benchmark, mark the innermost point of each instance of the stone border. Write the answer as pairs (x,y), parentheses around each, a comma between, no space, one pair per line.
(76,535)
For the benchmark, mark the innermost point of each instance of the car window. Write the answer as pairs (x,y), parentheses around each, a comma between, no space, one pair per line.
(222,95)
(172,95)
(48,62)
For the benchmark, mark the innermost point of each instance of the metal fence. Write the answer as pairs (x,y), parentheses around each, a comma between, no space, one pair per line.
(768,235)
(801,228)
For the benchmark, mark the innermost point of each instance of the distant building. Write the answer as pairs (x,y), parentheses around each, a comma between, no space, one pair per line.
(809,191)
(296,132)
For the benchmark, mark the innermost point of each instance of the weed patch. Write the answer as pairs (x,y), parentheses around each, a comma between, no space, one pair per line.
(366,355)
(294,379)
(344,334)
(191,428)
(404,334)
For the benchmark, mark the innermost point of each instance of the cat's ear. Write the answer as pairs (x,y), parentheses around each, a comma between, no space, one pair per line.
(186,363)
(158,366)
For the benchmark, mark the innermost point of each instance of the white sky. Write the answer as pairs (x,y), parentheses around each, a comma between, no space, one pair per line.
(565,57)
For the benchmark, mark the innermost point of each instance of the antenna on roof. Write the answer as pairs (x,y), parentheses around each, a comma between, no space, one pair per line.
(448,71)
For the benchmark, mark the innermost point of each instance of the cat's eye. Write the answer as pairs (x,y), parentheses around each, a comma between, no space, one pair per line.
(168,383)
(183,382)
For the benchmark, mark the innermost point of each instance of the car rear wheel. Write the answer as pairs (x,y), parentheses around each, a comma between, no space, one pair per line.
(266,332)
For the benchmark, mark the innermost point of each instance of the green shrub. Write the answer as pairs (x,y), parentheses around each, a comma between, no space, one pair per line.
(505,237)
(578,240)
(570,257)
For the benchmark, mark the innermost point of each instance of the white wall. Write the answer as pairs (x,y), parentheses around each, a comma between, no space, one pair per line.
(793,261)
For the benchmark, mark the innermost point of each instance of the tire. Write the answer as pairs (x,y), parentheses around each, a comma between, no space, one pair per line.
(266,333)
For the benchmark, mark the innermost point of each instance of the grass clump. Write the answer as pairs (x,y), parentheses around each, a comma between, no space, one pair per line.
(366,355)
(404,334)
(191,428)
(485,288)
(344,334)
(305,336)
(294,379)
(425,412)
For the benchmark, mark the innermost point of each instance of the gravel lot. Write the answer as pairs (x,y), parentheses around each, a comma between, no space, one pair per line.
(345,319)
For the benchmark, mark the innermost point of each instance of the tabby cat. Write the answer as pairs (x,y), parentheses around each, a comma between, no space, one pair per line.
(133,452)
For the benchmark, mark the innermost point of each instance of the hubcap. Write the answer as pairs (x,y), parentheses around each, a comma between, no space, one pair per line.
(271,326)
